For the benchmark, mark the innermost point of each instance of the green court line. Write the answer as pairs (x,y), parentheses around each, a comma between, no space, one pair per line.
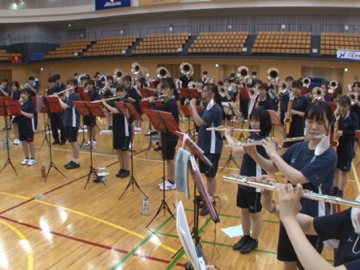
(143,242)
(181,253)
(237,217)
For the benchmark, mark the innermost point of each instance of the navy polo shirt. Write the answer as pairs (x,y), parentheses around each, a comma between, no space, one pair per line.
(121,125)
(15,95)
(297,123)
(210,141)
(249,166)
(61,86)
(134,94)
(267,103)
(346,142)
(356,109)
(284,102)
(36,87)
(71,115)
(6,90)
(94,95)
(320,172)
(25,124)
(171,107)
(51,91)
(339,227)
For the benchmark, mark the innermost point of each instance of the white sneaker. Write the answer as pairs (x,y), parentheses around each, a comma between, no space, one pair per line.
(131,145)
(168,186)
(17,141)
(94,142)
(88,143)
(167,182)
(139,128)
(31,162)
(196,133)
(25,161)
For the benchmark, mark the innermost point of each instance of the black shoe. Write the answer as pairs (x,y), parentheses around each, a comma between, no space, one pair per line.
(109,127)
(55,142)
(335,192)
(99,179)
(204,211)
(340,194)
(158,148)
(241,243)
(72,165)
(120,173)
(62,142)
(201,204)
(125,174)
(249,246)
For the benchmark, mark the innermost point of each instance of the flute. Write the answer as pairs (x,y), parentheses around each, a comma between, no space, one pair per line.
(108,99)
(63,91)
(235,129)
(293,139)
(198,99)
(307,194)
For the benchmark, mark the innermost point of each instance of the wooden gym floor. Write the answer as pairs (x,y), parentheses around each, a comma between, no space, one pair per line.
(58,225)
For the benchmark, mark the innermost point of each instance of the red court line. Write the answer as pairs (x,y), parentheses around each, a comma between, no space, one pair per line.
(92,243)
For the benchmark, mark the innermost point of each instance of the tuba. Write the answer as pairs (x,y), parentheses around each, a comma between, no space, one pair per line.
(272,75)
(141,72)
(192,85)
(353,97)
(317,93)
(242,73)
(222,91)
(162,73)
(332,87)
(306,82)
(82,76)
(282,86)
(118,75)
(186,69)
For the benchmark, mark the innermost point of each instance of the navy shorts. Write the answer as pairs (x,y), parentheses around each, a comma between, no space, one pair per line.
(90,120)
(168,149)
(121,143)
(71,133)
(210,172)
(249,200)
(28,137)
(286,252)
(344,164)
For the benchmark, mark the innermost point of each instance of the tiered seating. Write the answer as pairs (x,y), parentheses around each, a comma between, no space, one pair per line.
(4,56)
(111,46)
(162,43)
(332,41)
(71,49)
(214,42)
(282,42)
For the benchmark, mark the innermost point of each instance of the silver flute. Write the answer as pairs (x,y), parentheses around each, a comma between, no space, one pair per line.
(235,129)
(308,194)
(293,139)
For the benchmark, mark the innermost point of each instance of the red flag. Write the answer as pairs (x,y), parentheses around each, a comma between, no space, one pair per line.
(16,58)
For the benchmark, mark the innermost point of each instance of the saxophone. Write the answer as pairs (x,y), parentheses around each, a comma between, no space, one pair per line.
(336,128)
(288,119)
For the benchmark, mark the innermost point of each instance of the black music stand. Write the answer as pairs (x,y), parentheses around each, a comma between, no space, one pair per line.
(129,110)
(46,110)
(165,122)
(9,107)
(52,105)
(84,96)
(232,110)
(86,108)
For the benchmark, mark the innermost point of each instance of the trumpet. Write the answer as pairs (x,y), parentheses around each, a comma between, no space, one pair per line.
(273,75)
(235,129)
(307,194)
(293,139)
(186,69)
(306,82)
(26,85)
(353,97)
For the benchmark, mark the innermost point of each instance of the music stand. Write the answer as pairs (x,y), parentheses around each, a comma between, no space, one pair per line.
(274,120)
(189,93)
(129,110)
(86,108)
(52,105)
(231,109)
(46,110)
(6,98)
(9,107)
(165,122)
(84,96)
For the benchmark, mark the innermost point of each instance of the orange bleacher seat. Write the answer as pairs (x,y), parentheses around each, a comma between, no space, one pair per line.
(330,42)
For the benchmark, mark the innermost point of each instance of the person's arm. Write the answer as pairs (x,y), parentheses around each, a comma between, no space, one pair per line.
(350,131)
(28,115)
(5,93)
(63,104)
(107,106)
(194,113)
(294,112)
(266,164)
(33,89)
(230,140)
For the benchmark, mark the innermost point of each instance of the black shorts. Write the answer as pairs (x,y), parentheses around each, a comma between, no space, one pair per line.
(168,149)
(344,164)
(286,252)
(225,116)
(15,119)
(90,120)
(71,133)
(210,172)
(121,143)
(28,137)
(249,200)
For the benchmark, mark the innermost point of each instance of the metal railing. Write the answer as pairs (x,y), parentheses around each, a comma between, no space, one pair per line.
(170,29)
(285,27)
(82,36)
(339,28)
(121,32)
(225,28)
(6,41)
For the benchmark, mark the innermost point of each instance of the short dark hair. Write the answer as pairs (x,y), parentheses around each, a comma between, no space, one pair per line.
(75,74)
(257,81)
(72,81)
(264,86)
(90,82)
(261,114)
(127,78)
(51,79)
(31,78)
(171,85)
(121,88)
(5,80)
(57,77)
(317,109)
(344,100)
(205,73)
(109,77)
(356,83)
(297,84)
(16,83)
(254,73)
(26,91)
(289,78)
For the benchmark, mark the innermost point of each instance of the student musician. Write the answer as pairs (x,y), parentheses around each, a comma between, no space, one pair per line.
(299,104)
(355,108)
(139,85)
(106,92)
(204,78)
(325,97)
(345,134)
(342,227)
(226,97)
(56,119)
(71,120)
(244,101)
(15,95)
(185,79)
(248,198)
(90,121)
(285,97)
(169,141)
(254,94)
(26,124)
(264,99)
(209,141)
(121,132)
(300,165)
(58,82)
(34,88)
(4,88)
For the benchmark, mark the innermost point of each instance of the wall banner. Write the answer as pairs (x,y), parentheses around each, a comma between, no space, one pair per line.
(107,4)
(348,54)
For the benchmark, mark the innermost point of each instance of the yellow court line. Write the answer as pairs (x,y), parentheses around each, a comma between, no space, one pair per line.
(97,219)
(26,244)
(356,176)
